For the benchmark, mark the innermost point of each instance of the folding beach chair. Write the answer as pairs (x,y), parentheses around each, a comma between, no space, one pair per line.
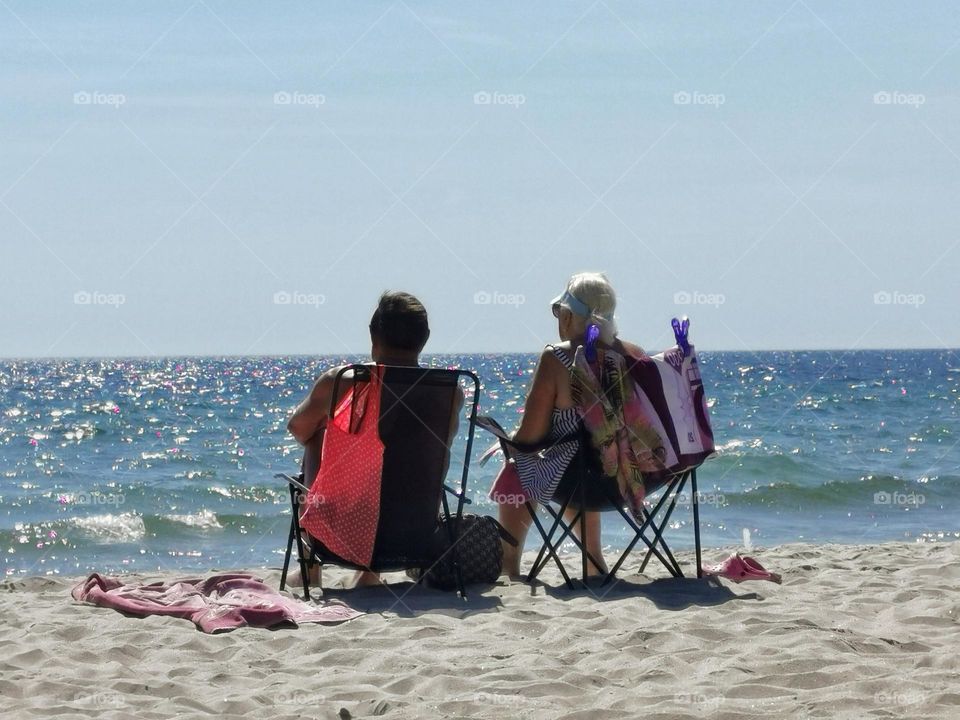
(672,393)
(377,501)
(584,488)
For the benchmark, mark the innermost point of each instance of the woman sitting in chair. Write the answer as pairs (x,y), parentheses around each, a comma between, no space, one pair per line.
(582,381)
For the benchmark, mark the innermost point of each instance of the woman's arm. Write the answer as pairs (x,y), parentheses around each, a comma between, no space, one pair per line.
(538,409)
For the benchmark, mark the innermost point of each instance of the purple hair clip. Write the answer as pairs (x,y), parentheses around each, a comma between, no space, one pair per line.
(681,328)
(593,334)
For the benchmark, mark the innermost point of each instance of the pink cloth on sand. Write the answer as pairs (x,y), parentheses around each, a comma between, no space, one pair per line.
(739,567)
(215,604)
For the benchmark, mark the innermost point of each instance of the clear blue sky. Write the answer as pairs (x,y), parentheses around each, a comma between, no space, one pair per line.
(168,168)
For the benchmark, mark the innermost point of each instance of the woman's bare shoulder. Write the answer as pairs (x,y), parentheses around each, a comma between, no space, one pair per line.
(548,357)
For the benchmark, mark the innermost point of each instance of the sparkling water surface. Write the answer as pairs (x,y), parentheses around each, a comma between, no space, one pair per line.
(165,464)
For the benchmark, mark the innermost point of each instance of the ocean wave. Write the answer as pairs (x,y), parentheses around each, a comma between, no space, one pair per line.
(790,467)
(203,520)
(732,447)
(108,528)
(871,490)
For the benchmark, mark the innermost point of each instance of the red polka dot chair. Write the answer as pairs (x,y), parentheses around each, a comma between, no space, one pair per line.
(378,499)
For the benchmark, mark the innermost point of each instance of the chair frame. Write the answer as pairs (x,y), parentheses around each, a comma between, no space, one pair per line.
(315,552)
(672,488)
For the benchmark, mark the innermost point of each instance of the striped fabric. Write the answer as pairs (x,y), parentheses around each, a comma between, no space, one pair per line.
(540,472)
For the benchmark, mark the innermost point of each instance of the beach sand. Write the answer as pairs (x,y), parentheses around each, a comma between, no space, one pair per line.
(853,632)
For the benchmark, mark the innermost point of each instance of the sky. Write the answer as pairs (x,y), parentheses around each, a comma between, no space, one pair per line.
(234,178)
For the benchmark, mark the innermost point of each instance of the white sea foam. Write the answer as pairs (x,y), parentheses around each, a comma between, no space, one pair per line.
(205,520)
(733,446)
(121,528)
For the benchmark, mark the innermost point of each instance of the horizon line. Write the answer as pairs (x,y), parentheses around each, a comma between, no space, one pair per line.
(13,358)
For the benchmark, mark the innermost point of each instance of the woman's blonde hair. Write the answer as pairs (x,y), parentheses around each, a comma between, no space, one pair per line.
(595,291)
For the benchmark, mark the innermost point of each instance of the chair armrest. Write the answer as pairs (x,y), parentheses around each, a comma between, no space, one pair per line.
(466,500)
(297,482)
(494,428)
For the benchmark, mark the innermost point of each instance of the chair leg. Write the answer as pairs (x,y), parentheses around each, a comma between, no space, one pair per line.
(582,515)
(696,520)
(658,529)
(581,544)
(651,547)
(286,557)
(639,534)
(547,548)
(551,546)
(453,536)
(296,532)
(669,562)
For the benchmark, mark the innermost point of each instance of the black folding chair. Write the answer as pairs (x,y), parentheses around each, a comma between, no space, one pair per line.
(584,488)
(416,406)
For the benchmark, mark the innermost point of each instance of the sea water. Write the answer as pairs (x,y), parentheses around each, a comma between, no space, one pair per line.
(167,464)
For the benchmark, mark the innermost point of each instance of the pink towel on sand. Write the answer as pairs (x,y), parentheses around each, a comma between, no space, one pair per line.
(215,604)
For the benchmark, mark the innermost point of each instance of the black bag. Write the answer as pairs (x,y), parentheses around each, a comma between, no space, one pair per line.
(478,551)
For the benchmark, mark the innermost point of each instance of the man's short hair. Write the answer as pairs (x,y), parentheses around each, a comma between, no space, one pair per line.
(400,322)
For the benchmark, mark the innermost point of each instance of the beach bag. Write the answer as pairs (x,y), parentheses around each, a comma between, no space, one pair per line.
(672,393)
(478,550)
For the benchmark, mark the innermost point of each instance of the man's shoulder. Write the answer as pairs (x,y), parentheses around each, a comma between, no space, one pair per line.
(324,384)
(330,374)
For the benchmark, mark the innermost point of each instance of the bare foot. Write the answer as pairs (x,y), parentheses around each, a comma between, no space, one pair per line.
(365,578)
(313,573)
(511,561)
(510,569)
(594,571)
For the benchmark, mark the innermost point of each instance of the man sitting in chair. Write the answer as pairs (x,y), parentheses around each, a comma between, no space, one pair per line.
(398,332)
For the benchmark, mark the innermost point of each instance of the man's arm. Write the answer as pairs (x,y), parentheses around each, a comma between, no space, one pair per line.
(311,414)
(454,425)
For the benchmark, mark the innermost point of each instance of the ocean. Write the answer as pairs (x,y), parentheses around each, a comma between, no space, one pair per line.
(167,464)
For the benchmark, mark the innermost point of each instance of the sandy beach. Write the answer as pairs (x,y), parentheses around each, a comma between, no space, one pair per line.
(853,632)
